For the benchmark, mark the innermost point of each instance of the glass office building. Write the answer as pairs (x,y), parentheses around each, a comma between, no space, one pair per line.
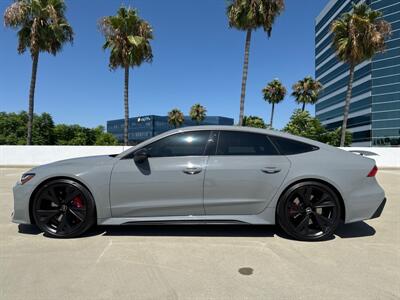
(145,127)
(374,116)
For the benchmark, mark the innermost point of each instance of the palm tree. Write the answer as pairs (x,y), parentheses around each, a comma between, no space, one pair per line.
(357,37)
(198,113)
(248,15)
(306,91)
(274,92)
(128,38)
(42,27)
(175,117)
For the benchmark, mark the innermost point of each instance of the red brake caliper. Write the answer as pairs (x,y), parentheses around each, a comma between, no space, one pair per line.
(77,202)
(294,209)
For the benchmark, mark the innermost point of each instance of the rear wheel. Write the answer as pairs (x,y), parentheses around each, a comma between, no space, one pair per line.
(309,211)
(63,208)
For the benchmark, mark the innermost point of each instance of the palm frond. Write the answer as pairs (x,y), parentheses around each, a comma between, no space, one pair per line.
(198,112)
(360,34)
(306,90)
(274,92)
(42,25)
(128,38)
(175,117)
(253,14)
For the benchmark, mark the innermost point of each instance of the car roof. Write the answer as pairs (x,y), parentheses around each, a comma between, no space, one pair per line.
(228,128)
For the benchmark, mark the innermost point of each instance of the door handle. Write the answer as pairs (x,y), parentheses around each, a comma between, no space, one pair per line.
(192,171)
(270,170)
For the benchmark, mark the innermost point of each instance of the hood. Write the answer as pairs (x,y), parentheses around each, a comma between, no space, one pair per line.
(80,162)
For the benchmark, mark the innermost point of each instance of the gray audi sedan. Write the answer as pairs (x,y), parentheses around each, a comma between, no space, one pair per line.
(205,174)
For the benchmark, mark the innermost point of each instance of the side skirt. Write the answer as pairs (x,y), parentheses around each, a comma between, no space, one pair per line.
(189,222)
(267,217)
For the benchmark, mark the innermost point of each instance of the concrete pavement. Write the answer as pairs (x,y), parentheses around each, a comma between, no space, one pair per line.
(201,262)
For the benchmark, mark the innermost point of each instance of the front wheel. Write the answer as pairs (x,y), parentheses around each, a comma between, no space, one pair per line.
(309,211)
(63,208)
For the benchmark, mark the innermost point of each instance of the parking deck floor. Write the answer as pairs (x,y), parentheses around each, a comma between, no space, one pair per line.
(201,262)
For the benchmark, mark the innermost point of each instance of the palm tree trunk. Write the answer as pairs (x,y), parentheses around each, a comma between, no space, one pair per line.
(244,75)
(272,114)
(304,106)
(347,106)
(126,105)
(32,97)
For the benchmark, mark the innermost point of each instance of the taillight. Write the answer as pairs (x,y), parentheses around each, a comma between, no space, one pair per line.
(373,172)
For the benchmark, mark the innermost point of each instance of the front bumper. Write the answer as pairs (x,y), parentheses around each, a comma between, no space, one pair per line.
(379,210)
(20,214)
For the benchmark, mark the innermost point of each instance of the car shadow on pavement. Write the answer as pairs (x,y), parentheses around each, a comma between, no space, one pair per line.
(28,229)
(170,230)
(187,230)
(354,230)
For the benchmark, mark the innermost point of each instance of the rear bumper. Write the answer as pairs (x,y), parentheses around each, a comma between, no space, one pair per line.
(363,200)
(379,210)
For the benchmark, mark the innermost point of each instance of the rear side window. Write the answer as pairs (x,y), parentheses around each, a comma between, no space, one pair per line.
(244,143)
(289,147)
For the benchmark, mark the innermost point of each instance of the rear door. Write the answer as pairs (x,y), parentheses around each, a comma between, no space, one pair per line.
(169,183)
(243,175)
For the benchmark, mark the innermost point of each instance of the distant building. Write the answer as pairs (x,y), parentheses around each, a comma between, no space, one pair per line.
(145,127)
(374,117)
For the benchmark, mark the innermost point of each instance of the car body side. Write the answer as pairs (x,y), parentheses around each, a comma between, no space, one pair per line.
(345,172)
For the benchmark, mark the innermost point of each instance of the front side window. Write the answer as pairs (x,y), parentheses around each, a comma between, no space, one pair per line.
(244,143)
(181,144)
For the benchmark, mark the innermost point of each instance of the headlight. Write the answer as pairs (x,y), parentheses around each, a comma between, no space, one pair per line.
(26,177)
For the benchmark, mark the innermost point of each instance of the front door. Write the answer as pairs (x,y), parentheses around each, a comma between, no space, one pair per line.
(244,174)
(169,183)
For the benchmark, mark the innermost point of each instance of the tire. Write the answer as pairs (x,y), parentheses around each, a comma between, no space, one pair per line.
(63,208)
(309,211)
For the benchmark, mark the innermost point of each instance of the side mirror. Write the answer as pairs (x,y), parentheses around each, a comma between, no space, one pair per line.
(140,156)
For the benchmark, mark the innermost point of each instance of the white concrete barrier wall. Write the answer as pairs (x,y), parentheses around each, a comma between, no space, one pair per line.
(37,155)
(386,157)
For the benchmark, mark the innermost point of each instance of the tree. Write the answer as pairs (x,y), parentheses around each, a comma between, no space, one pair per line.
(254,121)
(249,15)
(42,28)
(274,92)
(357,36)
(127,36)
(13,129)
(175,117)
(198,113)
(104,138)
(43,130)
(70,135)
(306,91)
(332,138)
(303,124)
(78,135)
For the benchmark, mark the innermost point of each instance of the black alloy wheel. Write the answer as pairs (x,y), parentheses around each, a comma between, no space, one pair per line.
(309,211)
(63,208)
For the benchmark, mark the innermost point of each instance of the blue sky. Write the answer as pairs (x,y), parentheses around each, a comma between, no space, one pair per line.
(197,58)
